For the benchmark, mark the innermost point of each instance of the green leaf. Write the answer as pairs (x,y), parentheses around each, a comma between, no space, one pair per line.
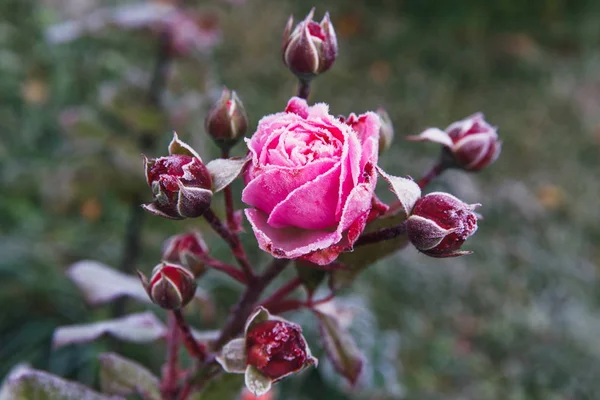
(340,347)
(233,356)
(225,386)
(224,171)
(121,376)
(256,382)
(366,255)
(25,383)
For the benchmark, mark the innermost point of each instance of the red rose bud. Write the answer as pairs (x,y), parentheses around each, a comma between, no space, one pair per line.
(311,48)
(440,223)
(226,122)
(171,286)
(470,144)
(189,250)
(386,130)
(276,348)
(181,186)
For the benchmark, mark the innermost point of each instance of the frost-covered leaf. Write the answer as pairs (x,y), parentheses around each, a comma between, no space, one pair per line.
(224,171)
(138,328)
(256,382)
(406,190)
(233,356)
(178,146)
(101,283)
(25,383)
(340,347)
(124,377)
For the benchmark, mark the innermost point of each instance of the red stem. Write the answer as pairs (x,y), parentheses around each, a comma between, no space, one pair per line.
(281,293)
(433,173)
(226,268)
(195,349)
(291,305)
(233,241)
(169,384)
(303,88)
(229,200)
(381,235)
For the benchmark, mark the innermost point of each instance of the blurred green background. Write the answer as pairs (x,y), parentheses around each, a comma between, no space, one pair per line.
(518,319)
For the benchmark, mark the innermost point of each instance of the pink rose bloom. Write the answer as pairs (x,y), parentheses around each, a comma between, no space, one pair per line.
(311,181)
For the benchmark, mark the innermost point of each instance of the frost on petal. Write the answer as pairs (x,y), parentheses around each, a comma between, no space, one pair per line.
(433,135)
(298,106)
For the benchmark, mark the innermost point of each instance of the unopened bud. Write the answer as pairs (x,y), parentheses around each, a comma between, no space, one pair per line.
(189,250)
(181,184)
(171,286)
(440,223)
(386,130)
(226,122)
(310,48)
(470,144)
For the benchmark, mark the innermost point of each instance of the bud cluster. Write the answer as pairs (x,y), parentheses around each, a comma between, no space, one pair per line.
(171,286)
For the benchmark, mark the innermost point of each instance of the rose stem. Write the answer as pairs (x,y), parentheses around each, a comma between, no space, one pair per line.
(247,302)
(229,200)
(303,88)
(133,230)
(381,235)
(434,172)
(196,350)
(282,293)
(292,305)
(227,269)
(168,386)
(233,241)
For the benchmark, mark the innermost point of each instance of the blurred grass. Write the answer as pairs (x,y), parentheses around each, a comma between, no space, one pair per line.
(519,319)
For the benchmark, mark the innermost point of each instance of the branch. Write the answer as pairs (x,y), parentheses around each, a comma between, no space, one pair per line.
(193,347)
(227,269)
(303,88)
(280,294)
(433,173)
(233,241)
(169,383)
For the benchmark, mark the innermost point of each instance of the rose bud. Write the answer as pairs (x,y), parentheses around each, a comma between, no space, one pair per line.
(226,122)
(440,223)
(171,286)
(470,144)
(180,182)
(189,250)
(311,48)
(386,131)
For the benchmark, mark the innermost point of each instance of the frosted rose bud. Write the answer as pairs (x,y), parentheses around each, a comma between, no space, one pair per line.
(470,144)
(171,286)
(276,348)
(180,182)
(189,250)
(226,122)
(310,48)
(386,131)
(440,223)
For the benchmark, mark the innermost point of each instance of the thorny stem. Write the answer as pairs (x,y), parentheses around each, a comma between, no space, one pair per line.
(169,384)
(247,302)
(233,241)
(132,240)
(229,201)
(227,269)
(303,88)
(282,293)
(193,347)
(381,235)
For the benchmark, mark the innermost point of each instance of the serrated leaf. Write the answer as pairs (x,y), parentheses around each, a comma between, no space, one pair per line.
(137,328)
(256,382)
(124,377)
(224,171)
(233,356)
(340,347)
(25,383)
(101,283)
(366,255)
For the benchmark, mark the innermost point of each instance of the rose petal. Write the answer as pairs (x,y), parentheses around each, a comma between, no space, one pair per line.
(271,187)
(297,106)
(288,242)
(311,206)
(351,154)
